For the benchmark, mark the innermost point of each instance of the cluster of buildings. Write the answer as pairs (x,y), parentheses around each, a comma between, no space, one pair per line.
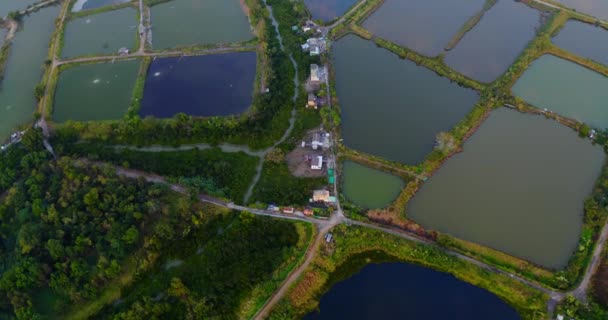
(318,76)
(315,46)
(320,141)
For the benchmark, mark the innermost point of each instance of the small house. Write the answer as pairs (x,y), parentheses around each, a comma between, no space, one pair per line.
(329,237)
(123,51)
(317,163)
(288,210)
(308,212)
(316,141)
(320,195)
(274,208)
(312,101)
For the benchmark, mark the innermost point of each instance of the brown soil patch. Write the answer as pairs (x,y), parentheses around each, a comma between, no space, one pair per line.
(299,167)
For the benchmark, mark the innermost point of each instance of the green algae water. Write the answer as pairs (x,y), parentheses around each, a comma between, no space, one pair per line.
(181,23)
(518,187)
(566,88)
(100,91)
(24,69)
(370,188)
(103,33)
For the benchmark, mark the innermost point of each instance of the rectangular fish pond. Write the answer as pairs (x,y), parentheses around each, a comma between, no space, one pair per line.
(567,88)
(585,40)
(103,33)
(487,51)
(369,188)
(23,69)
(181,23)
(328,10)
(518,187)
(100,91)
(208,85)
(425,26)
(391,107)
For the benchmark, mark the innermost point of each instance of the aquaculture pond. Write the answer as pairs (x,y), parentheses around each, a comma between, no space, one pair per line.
(7,6)
(328,10)
(596,8)
(188,22)
(585,40)
(391,107)
(490,48)
(24,69)
(99,91)
(406,291)
(518,187)
(81,5)
(103,33)
(425,26)
(210,85)
(566,88)
(369,188)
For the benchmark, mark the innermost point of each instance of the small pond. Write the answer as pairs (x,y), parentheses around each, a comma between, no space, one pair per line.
(596,8)
(518,187)
(81,5)
(328,10)
(103,33)
(99,91)
(406,291)
(180,23)
(490,48)
(391,107)
(566,88)
(584,40)
(369,188)
(24,69)
(209,85)
(425,26)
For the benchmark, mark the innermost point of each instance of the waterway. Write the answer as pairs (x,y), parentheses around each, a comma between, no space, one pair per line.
(209,85)
(369,188)
(566,88)
(391,107)
(490,48)
(24,69)
(518,187)
(103,33)
(81,5)
(7,6)
(99,91)
(425,26)
(406,291)
(585,40)
(189,22)
(328,10)
(596,8)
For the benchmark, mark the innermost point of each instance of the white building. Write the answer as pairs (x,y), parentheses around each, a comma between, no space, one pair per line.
(317,163)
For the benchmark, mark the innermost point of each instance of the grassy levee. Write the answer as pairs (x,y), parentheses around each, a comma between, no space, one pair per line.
(261,293)
(365,244)
(236,46)
(5,52)
(434,64)
(470,24)
(49,77)
(138,90)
